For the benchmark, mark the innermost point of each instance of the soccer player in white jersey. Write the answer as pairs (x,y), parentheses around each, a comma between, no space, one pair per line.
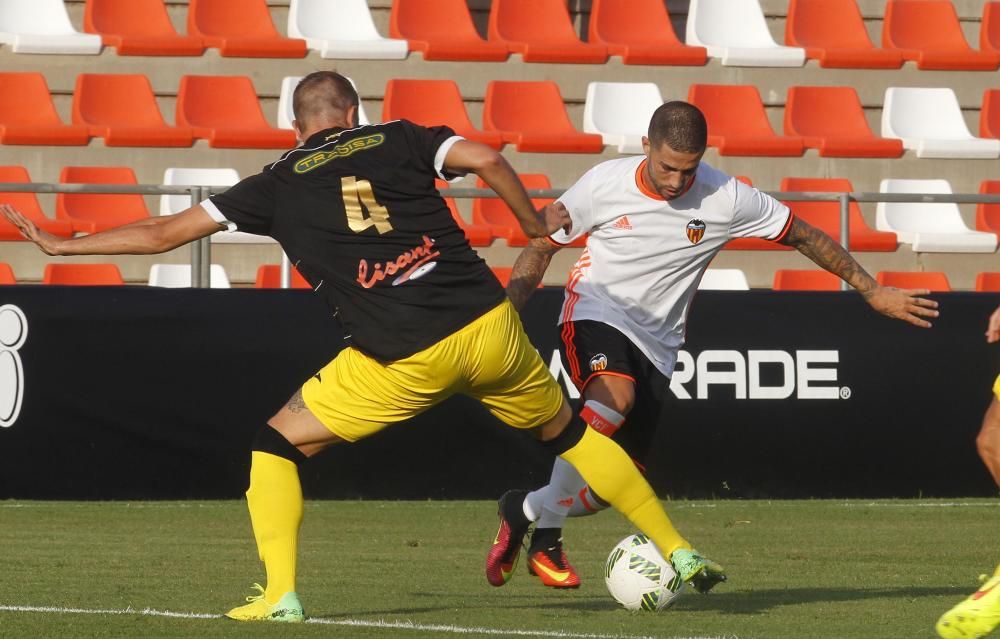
(654,223)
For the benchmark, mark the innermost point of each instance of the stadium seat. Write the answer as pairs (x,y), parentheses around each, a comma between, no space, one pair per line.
(82,275)
(122,109)
(138,27)
(494,213)
(6,274)
(541,31)
(640,32)
(930,121)
(43,26)
(477,234)
(988,282)
(929,33)
(737,123)
(832,120)
(170,204)
(430,103)
(989,30)
(826,215)
(26,203)
(620,112)
(442,30)
(285,113)
(269,276)
(90,213)
(342,29)
(989,115)
(833,32)
(805,280)
(987,215)
(241,29)
(234,121)
(28,116)
(934,281)
(736,32)
(179,276)
(532,115)
(929,227)
(724,279)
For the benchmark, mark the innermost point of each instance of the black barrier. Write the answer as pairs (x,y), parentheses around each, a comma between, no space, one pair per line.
(136,393)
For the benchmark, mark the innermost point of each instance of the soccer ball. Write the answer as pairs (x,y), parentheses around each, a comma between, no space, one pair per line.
(638,576)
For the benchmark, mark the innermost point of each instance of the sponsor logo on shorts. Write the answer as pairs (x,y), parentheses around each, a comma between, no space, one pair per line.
(695,230)
(342,150)
(598,362)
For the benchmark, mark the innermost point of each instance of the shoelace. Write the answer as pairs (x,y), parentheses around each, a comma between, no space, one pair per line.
(253,598)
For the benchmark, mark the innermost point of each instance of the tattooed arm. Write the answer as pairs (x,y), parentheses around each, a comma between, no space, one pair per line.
(528,270)
(902,304)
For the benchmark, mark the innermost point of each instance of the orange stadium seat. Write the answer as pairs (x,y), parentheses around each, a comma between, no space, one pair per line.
(989,115)
(430,103)
(495,213)
(935,281)
(7,274)
(269,276)
(988,215)
(442,30)
(640,32)
(138,27)
(532,115)
(90,212)
(28,116)
(832,120)
(224,110)
(826,215)
(737,123)
(805,280)
(833,32)
(477,234)
(241,29)
(122,109)
(82,275)
(929,33)
(988,282)
(541,31)
(26,203)
(989,30)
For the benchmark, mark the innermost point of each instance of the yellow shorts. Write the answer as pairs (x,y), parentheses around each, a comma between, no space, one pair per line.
(996,388)
(490,359)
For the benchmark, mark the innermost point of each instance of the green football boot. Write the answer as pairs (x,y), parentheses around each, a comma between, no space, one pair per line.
(287,610)
(700,572)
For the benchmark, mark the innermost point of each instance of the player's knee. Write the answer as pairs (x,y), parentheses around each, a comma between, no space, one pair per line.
(558,442)
(269,440)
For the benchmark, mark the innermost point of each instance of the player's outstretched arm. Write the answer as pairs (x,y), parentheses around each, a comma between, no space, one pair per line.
(144,237)
(908,305)
(529,268)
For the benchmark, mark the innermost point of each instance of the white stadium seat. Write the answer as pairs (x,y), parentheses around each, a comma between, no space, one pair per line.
(285,113)
(931,227)
(341,29)
(179,276)
(736,32)
(43,26)
(170,204)
(724,279)
(620,112)
(930,122)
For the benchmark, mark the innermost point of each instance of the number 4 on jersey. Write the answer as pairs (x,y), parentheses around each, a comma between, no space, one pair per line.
(358,196)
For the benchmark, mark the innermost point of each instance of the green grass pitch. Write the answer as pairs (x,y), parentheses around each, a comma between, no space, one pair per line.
(802,569)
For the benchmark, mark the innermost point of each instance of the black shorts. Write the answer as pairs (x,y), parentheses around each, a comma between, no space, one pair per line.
(590,348)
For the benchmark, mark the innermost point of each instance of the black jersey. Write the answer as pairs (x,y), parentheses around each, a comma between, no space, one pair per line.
(357,212)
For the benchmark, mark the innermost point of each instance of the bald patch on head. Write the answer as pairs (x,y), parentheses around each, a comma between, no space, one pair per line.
(323,97)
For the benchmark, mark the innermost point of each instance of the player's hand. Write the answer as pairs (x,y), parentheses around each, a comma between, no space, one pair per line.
(45,241)
(556,217)
(908,305)
(993,328)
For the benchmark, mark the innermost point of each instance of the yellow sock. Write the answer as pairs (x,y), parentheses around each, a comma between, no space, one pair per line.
(275,502)
(612,475)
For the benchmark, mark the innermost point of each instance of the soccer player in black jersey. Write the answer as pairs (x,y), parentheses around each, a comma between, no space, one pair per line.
(356,210)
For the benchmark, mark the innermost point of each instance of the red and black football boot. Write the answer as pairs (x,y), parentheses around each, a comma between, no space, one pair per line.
(502,558)
(547,561)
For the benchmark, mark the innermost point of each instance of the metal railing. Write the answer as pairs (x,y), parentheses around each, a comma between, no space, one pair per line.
(201,252)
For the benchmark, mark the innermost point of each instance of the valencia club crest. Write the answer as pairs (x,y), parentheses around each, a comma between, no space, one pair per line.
(695,230)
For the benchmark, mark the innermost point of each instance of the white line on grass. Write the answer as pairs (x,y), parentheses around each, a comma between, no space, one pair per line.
(357,623)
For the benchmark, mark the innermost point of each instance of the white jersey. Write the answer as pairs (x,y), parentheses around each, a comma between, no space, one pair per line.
(645,255)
